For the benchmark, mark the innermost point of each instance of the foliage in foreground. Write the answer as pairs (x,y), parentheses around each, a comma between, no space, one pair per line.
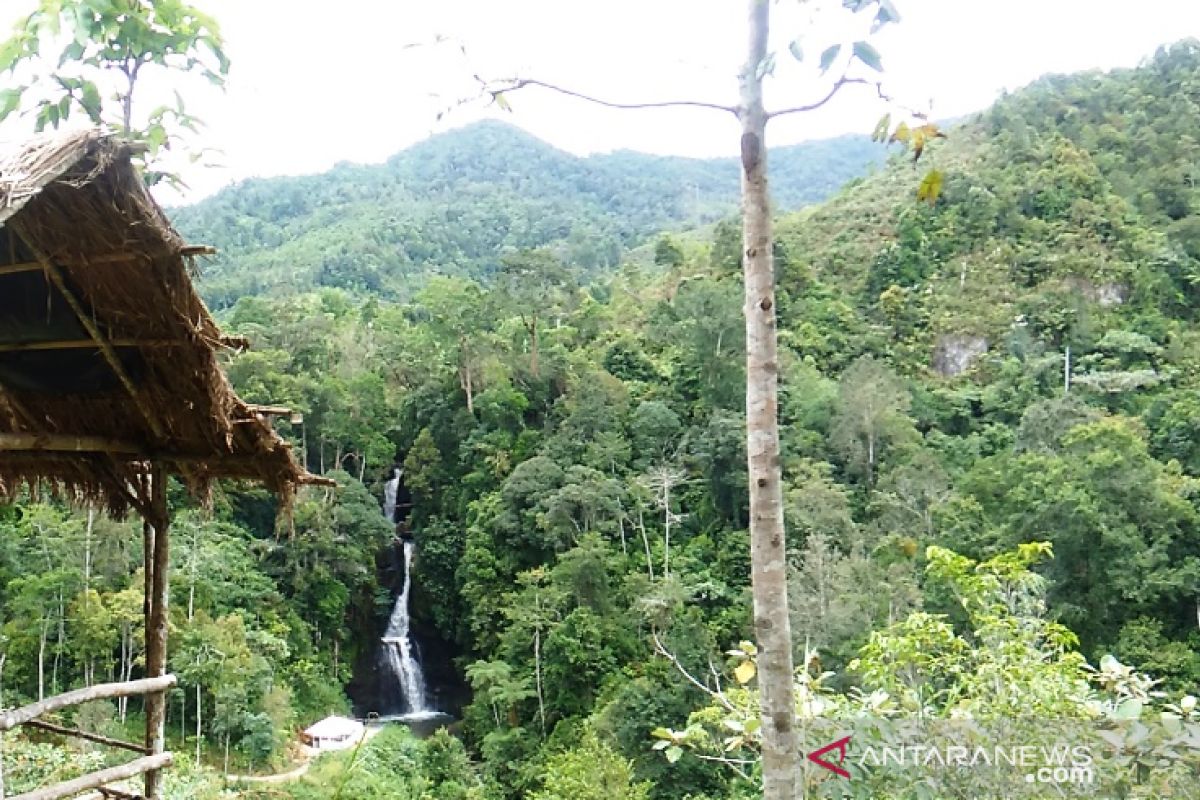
(1005,675)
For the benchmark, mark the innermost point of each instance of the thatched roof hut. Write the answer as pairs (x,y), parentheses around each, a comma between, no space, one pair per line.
(108,357)
(109,381)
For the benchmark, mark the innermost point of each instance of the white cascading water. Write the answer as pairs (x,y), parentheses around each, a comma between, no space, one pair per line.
(398,647)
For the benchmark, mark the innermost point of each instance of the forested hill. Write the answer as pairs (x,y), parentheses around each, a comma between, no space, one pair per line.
(455,202)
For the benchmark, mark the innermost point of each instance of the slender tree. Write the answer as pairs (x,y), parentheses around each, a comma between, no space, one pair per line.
(767,534)
(92,57)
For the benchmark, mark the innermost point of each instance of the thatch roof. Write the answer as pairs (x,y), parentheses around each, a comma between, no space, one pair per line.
(108,357)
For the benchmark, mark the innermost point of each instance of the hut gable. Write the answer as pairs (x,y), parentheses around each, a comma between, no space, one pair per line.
(108,357)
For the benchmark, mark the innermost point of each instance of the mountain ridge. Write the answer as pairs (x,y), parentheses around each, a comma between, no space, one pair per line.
(454,203)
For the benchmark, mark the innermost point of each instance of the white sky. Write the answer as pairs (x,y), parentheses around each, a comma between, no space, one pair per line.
(314,83)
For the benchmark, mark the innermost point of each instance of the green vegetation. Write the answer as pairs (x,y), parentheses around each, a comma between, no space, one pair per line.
(454,204)
(971,523)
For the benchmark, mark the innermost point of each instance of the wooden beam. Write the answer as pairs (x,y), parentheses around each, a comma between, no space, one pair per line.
(60,443)
(101,691)
(50,727)
(308,479)
(108,791)
(147,765)
(86,344)
(189,251)
(269,411)
(25,266)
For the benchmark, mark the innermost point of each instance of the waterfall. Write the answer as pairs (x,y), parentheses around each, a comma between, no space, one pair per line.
(398,647)
(390,490)
(399,653)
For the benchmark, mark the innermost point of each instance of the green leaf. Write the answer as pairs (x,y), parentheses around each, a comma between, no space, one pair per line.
(10,53)
(796,51)
(1130,709)
(887,15)
(765,67)
(881,128)
(827,57)
(866,53)
(502,101)
(745,672)
(673,754)
(10,99)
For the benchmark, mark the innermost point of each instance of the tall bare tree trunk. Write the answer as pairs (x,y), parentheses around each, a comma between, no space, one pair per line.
(199,715)
(537,671)
(45,633)
(768,552)
(533,346)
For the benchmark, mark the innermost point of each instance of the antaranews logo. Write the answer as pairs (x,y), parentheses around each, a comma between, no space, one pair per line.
(1058,763)
(817,756)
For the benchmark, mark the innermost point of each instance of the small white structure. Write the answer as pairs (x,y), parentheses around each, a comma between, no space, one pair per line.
(334,733)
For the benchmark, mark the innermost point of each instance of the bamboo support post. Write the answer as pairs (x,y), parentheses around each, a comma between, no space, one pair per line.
(148,765)
(156,626)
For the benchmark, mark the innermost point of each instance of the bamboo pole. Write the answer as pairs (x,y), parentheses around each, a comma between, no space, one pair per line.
(86,344)
(15,269)
(101,691)
(50,727)
(148,765)
(60,443)
(107,791)
(156,627)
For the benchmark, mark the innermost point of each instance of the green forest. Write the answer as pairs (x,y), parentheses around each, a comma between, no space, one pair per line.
(990,430)
(457,203)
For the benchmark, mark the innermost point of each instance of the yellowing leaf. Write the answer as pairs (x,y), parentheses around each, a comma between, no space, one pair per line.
(931,187)
(745,672)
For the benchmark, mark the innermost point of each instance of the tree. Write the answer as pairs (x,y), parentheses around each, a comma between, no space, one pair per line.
(536,286)
(107,45)
(767,533)
(456,308)
(592,770)
(871,413)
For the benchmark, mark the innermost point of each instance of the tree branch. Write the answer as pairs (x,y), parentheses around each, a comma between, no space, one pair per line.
(715,695)
(833,90)
(514,84)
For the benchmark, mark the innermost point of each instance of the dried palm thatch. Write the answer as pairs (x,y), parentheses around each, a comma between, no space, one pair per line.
(108,357)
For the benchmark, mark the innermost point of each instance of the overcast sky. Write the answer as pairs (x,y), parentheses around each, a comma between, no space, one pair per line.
(314,83)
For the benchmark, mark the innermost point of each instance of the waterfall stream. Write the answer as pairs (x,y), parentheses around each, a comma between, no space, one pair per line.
(398,646)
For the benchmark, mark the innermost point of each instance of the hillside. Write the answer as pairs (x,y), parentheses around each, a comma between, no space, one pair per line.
(1068,210)
(990,430)
(453,203)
